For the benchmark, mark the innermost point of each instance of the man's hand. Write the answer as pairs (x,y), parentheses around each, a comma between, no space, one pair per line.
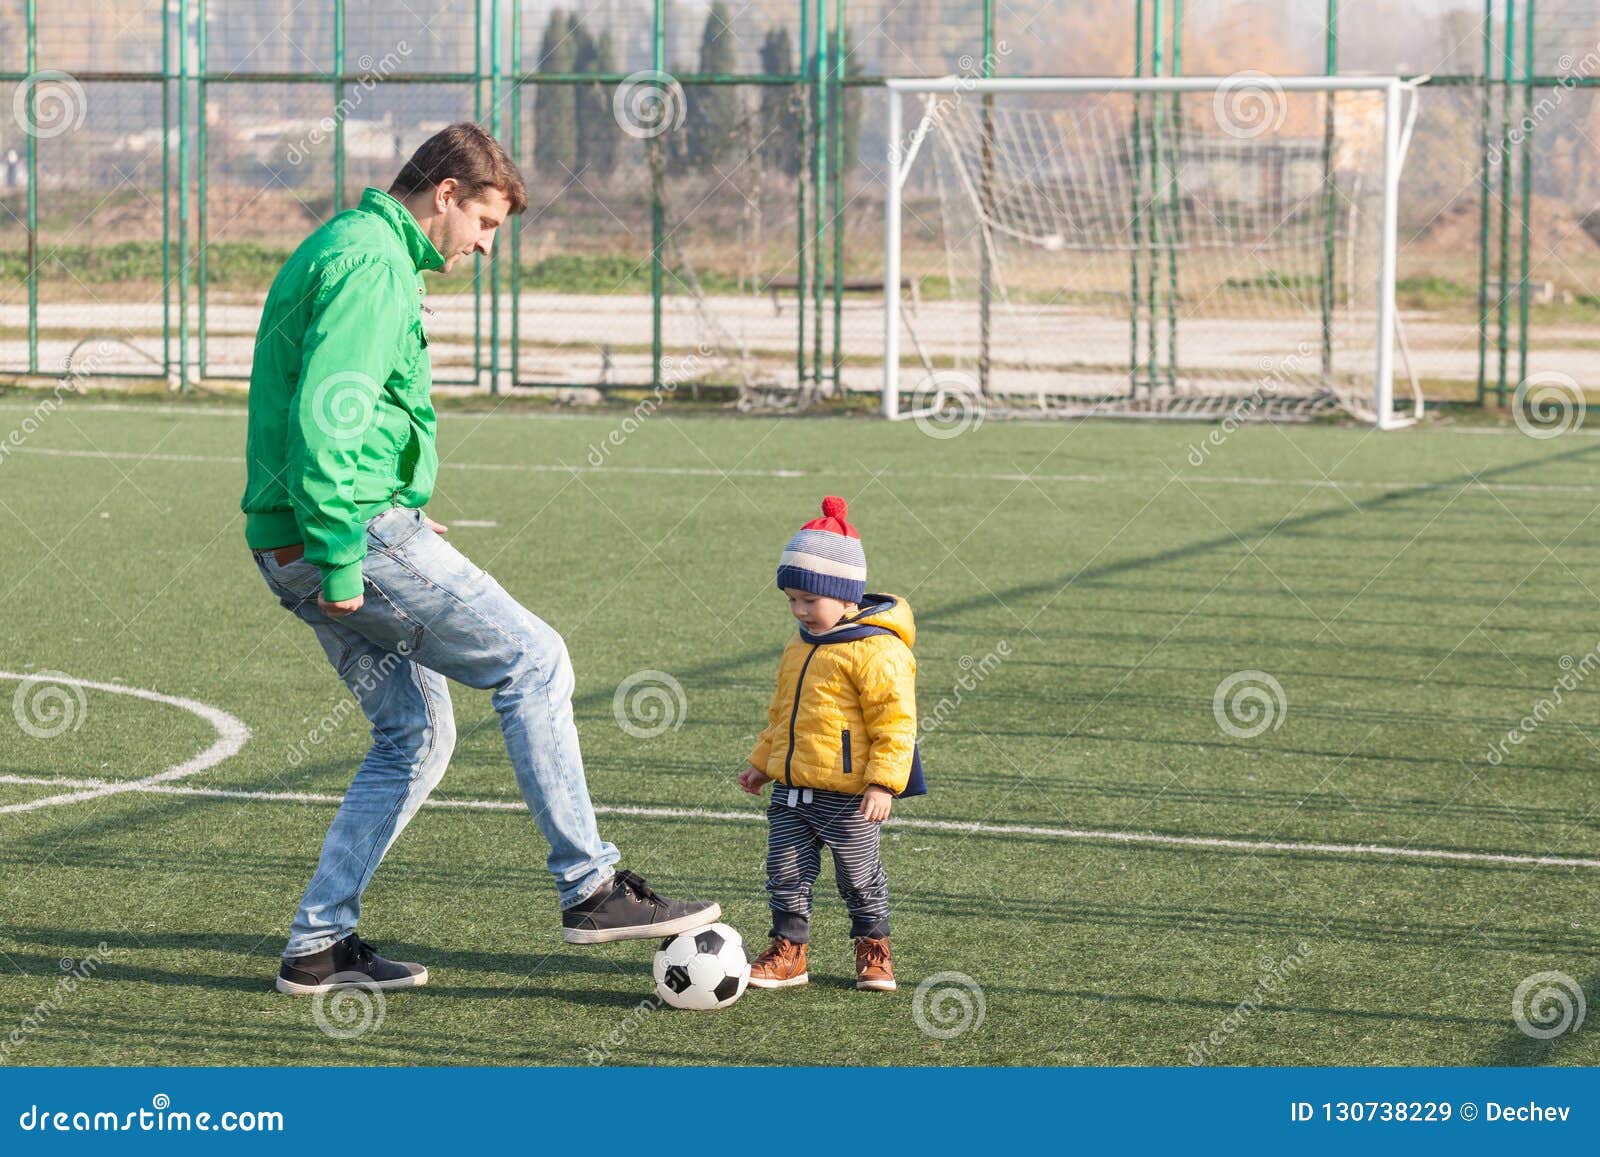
(753,779)
(436,527)
(875,804)
(340,608)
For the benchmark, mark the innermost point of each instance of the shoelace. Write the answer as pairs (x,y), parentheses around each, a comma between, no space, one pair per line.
(635,884)
(362,951)
(777,952)
(874,953)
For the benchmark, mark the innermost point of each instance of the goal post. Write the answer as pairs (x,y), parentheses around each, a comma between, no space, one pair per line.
(1239,232)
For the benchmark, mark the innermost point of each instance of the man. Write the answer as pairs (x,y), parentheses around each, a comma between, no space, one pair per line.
(341,460)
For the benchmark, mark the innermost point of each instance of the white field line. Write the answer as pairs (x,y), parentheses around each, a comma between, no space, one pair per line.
(712,472)
(703,814)
(231,736)
(23,405)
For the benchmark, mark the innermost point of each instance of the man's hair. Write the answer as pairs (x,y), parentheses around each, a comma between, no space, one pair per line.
(468,153)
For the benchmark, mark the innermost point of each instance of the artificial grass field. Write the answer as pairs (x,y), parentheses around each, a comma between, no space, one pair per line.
(1412,614)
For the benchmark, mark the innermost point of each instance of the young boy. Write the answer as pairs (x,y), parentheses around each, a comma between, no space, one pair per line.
(840,743)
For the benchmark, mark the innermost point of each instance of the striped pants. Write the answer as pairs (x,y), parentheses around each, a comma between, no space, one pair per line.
(796,835)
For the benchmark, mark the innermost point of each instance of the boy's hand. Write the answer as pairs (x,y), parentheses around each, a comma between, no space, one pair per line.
(753,779)
(875,804)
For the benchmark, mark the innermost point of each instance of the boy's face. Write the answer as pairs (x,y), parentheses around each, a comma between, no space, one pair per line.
(816,612)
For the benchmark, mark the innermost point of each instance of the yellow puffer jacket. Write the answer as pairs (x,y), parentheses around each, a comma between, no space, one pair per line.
(845,712)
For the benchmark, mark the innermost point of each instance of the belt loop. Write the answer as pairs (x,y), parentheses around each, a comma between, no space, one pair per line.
(805,796)
(794,796)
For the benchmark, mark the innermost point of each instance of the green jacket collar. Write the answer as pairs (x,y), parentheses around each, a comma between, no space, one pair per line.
(423,253)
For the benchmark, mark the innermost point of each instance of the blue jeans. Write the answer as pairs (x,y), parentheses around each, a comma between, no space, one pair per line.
(428,615)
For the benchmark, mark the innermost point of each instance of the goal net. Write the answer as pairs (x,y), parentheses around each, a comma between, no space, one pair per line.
(1175,247)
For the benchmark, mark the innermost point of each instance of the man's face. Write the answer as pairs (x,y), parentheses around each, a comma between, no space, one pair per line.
(466,227)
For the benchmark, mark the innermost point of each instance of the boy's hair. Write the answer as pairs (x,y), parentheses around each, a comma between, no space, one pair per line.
(472,156)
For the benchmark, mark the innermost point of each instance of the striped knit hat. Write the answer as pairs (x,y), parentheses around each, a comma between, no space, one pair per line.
(826,558)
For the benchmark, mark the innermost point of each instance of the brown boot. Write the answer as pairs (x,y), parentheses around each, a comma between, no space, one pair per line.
(782,965)
(874,965)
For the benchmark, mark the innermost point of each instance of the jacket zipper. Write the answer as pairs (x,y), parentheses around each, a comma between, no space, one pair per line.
(794,713)
(848,770)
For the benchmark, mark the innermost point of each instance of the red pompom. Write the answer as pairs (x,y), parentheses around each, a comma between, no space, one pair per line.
(833,507)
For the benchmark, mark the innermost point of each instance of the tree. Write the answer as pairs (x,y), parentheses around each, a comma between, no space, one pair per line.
(780,106)
(596,125)
(714,109)
(555,122)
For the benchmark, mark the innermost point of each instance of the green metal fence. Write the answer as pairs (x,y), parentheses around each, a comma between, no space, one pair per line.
(168,153)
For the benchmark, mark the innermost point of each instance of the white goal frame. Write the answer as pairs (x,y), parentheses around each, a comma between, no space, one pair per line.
(1396,138)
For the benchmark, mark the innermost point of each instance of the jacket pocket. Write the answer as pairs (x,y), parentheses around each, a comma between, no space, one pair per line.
(847,767)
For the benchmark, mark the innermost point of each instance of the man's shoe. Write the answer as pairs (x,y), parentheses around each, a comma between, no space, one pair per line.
(351,963)
(782,965)
(874,965)
(627,908)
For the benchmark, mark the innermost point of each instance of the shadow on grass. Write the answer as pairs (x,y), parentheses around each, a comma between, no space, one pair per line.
(1518,1048)
(548,963)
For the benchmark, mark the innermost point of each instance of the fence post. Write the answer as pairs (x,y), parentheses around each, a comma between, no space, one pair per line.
(494,130)
(183,195)
(1527,190)
(31,16)
(201,210)
(516,230)
(1484,192)
(658,164)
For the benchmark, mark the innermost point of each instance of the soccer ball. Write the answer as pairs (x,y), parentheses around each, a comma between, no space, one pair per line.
(703,969)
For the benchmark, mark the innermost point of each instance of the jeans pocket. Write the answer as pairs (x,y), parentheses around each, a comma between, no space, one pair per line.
(395,527)
(294,584)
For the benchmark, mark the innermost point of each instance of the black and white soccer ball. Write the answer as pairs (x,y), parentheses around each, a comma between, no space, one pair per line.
(703,969)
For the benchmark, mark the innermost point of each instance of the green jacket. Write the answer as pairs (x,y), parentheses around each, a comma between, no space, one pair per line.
(341,425)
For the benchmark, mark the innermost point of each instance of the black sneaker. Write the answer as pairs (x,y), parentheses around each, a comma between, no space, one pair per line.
(351,963)
(629,909)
